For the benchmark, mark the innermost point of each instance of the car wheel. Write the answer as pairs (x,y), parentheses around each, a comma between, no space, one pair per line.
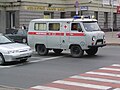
(76,51)
(57,51)
(92,51)
(2,61)
(24,60)
(42,50)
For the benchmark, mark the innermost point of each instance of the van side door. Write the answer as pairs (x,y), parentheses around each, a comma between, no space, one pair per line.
(65,28)
(54,35)
(76,34)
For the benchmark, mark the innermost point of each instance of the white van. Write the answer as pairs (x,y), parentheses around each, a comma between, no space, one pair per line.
(77,34)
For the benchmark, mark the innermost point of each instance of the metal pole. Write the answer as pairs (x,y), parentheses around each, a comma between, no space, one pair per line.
(77,6)
(111,25)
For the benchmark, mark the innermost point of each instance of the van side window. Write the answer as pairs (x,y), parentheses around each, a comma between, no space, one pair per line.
(76,27)
(40,26)
(54,26)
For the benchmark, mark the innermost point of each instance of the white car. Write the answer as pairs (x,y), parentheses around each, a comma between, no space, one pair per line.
(11,51)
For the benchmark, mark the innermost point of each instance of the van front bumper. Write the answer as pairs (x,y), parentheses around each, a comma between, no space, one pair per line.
(96,46)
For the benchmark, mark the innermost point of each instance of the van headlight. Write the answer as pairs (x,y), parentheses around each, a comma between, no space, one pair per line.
(93,38)
(103,37)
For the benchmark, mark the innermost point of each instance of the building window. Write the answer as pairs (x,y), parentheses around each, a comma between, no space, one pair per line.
(114,20)
(62,15)
(48,15)
(73,14)
(105,19)
(96,15)
(40,26)
(54,26)
(10,15)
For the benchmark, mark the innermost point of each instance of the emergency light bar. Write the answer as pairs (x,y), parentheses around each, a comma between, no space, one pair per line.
(85,16)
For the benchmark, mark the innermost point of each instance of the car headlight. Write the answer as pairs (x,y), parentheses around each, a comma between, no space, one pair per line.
(12,51)
(30,49)
(93,38)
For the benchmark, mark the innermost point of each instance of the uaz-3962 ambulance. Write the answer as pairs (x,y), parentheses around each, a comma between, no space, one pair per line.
(77,34)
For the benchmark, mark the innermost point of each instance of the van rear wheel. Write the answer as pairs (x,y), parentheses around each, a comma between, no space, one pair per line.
(92,51)
(42,50)
(76,51)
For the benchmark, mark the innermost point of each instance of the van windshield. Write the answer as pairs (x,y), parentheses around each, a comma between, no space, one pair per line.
(91,26)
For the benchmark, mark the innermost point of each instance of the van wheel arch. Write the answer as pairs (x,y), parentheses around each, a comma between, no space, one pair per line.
(2,59)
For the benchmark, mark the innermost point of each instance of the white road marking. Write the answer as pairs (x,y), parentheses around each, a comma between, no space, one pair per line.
(113,69)
(116,89)
(105,74)
(34,61)
(96,79)
(82,84)
(46,88)
(118,65)
(46,59)
(7,66)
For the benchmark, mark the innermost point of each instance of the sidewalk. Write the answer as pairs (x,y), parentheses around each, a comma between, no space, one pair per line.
(111,38)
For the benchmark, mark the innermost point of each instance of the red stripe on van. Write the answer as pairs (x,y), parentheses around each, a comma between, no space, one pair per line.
(47,33)
(56,34)
(37,33)
(75,34)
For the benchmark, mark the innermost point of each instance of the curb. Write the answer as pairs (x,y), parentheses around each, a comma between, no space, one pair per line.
(2,87)
(114,44)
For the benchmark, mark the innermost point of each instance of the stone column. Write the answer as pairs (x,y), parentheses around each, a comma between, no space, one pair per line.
(3,21)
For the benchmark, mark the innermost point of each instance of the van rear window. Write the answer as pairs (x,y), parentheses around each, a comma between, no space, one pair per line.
(40,26)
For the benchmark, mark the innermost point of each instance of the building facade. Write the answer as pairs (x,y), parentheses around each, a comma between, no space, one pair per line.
(15,13)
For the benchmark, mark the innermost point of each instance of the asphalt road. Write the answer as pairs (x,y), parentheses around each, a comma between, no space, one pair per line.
(45,69)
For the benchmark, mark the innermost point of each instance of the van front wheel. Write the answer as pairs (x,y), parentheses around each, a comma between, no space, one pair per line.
(42,50)
(92,51)
(76,51)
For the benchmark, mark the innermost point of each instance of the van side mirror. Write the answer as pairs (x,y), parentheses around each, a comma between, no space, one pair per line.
(79,29)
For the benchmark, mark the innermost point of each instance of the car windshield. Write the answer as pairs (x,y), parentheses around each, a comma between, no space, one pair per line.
(4,40)
(91,26)
(20,32)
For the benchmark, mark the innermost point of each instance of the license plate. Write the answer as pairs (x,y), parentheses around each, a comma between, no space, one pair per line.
(26,54)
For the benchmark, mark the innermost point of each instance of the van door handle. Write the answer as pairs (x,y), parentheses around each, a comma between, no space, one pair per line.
(63,41)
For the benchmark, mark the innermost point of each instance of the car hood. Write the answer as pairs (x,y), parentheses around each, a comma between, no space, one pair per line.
(13,46)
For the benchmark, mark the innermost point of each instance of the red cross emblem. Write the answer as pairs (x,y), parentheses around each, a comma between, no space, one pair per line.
(65,26)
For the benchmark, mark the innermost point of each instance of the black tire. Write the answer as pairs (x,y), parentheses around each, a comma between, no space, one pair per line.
(42,50)
(92,51)
(24,60)
(57,51)
(76,51)
(2,60)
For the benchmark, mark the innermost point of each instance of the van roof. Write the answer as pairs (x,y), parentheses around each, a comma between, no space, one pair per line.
(63,20)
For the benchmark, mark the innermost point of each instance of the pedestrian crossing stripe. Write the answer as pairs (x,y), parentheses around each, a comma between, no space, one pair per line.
(106,78)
